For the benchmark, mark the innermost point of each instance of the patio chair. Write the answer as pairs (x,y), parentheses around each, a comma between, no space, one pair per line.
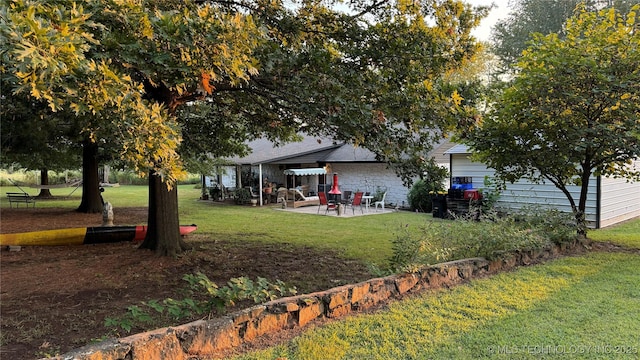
(281,196)
(253,195)
(357,201)
(346,196)
(324,202)
(381,202)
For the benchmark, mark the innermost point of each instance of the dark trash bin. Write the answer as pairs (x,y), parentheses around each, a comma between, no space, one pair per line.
(439,206)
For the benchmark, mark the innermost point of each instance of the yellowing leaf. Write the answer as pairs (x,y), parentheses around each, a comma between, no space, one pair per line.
(457,99)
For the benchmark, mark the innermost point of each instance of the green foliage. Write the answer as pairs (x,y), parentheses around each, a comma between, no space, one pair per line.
(441,241)
(242,196)
(553,225)
(572,110)
(23,177)
(206,297)
(510,35)
(163,82)
(419,196)
(491,191)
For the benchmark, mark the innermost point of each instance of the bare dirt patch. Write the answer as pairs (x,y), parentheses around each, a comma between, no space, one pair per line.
(54,299)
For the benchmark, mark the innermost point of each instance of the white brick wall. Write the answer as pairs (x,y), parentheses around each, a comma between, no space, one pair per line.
(370,177)
(354,177)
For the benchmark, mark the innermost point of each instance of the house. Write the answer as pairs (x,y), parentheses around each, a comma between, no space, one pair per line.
(609,200)
(357,168)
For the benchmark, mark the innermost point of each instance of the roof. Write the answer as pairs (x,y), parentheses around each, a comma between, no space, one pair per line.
(440,151)
(322,150)
(458,149)
(264,151)
(350,153)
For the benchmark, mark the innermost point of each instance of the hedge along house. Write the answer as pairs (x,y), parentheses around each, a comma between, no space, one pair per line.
(357,168)
(609,200)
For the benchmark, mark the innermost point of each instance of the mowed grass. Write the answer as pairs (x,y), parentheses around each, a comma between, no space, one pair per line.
(367,238)
(574,308)
(626,234)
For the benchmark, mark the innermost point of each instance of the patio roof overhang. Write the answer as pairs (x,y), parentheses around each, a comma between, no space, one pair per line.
(307,171)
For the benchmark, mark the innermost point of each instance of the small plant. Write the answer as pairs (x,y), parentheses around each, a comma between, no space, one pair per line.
(556,226)
(215,191)
(206,297)
(47,351)
(491,192)
(377,196)
(242,196)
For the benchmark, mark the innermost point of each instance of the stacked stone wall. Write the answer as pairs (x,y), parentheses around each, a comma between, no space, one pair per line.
(213,336)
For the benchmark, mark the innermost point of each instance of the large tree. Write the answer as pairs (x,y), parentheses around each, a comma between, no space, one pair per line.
(35,138)
(374,75)
(510,35)
(573,109)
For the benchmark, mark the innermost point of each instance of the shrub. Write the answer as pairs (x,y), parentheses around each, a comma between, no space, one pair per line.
(190,179)
(441,241)
(242,196)
(419,195)
(128,177)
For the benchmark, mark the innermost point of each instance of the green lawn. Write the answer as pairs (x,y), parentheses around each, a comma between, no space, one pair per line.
(579,307)
(574,308)
(626,233)
(366,237)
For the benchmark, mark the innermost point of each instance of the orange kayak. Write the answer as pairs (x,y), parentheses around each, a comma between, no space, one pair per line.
(83,236)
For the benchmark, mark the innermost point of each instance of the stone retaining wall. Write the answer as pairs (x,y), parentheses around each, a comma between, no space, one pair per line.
(212,336)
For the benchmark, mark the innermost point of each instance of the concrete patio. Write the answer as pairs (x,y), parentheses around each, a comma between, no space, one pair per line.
(313,210)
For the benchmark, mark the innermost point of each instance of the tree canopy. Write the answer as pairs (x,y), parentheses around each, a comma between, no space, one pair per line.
(149,74)
(510,36)
(573,109)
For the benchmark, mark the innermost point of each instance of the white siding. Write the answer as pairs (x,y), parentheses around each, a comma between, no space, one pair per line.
(524,193)
(620,200)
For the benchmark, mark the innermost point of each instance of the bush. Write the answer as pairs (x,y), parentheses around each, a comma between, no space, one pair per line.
(242,196)
(128,177)
(441,241)
(190,179)
(419,195)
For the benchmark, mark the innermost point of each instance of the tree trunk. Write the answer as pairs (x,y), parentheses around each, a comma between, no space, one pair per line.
(44,180)
(582,203)
(163,224)
(91,199)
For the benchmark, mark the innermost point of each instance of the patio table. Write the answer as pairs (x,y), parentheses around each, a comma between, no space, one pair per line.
(367,201)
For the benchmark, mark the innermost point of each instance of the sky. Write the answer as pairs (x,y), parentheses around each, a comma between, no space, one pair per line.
(501,10)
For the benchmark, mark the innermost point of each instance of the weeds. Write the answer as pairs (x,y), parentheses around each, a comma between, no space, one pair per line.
(206,298)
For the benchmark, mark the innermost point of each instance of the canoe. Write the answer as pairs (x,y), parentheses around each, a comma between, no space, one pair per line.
(83,236)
